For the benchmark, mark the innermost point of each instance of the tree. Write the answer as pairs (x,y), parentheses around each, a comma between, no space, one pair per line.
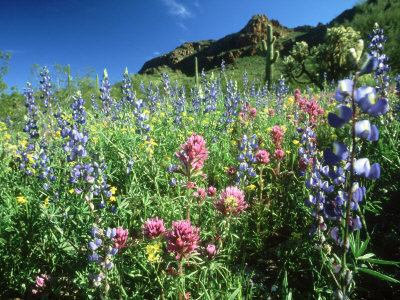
(332,56)
(295,65)
(304,65)
(4,58)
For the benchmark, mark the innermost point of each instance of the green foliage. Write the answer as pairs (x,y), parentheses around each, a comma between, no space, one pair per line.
(386,13)
(4,58)
(305,66)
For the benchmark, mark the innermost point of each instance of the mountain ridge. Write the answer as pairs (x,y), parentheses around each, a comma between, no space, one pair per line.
(247,41)
(210,53)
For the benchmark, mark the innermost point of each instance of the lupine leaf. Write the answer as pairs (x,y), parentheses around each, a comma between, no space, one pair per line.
(205,291)
(380,261)
(377,274)
(366,256)
(235,293)
(363,246)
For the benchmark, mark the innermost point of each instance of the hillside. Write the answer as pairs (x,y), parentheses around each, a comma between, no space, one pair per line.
(210,53)
(247,42)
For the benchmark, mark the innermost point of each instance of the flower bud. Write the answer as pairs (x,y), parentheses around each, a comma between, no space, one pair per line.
(106,287)
(360,45)
(353,53)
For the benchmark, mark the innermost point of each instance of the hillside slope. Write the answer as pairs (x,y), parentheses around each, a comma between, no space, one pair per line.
(247,42)
(210,53)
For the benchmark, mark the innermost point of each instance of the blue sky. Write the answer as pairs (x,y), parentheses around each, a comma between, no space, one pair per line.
(114,34)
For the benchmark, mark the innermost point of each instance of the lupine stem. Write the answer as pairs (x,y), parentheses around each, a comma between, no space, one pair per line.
(350,193)
(363,221)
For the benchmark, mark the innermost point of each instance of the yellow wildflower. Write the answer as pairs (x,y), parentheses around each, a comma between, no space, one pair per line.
(153,252)
(295,142)
(113,189)
(30,158)
(251,187)
(21,200)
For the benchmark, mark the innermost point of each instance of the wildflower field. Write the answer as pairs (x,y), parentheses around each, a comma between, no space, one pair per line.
(213,192)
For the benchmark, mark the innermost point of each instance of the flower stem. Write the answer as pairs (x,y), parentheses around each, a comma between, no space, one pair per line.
(350,193)
(261,183)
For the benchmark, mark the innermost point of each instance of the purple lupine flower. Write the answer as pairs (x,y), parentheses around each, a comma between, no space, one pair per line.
(342,116)
(365,131)
(338,154)
(111,232)
(362,167)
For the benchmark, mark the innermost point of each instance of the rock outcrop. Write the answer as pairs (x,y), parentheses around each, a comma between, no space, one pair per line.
(210,53)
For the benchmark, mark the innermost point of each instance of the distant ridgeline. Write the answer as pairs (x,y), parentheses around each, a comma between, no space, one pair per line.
(210,53)
(248,41)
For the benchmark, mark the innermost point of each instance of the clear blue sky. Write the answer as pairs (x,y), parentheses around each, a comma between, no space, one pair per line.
(114,34)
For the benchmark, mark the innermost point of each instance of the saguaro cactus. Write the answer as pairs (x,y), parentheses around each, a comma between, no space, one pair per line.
(69,76)
(196,73)
(271,56)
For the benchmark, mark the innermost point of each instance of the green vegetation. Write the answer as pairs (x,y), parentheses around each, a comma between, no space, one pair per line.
(4,58)
(147,189)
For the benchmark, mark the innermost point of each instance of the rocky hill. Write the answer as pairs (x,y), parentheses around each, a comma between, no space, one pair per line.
(210,53)
(247,42)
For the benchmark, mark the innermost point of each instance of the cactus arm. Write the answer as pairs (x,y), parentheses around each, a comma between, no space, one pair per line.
(276,56)
(265,48)
(69,76)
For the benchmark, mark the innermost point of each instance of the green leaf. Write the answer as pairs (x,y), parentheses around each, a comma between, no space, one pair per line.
(377,274)
(366,256)
(234,294)
(205,291)
(363,246)
(380,261)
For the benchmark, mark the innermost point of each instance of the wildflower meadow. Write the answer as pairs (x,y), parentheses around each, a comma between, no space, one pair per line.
(222,190)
